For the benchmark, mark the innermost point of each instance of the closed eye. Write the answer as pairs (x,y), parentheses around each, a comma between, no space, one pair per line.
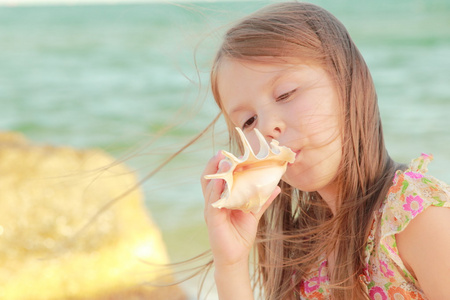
(285,96)
(249,122)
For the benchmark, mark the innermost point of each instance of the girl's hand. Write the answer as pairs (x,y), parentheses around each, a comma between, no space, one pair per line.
(231,232)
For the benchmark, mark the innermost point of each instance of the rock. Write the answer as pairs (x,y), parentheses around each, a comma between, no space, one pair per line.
(47,197)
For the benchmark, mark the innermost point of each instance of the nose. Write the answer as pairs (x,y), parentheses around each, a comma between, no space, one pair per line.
(271,126)
(276,131)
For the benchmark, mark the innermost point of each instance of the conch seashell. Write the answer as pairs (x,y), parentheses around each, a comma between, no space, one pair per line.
(251,179)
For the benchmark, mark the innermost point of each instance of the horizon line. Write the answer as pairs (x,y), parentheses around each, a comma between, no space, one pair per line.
(14,3)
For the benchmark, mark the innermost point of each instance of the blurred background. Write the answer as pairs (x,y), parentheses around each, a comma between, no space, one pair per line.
(115,75)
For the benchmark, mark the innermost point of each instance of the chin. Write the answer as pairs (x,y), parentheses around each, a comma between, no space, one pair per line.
(307,186)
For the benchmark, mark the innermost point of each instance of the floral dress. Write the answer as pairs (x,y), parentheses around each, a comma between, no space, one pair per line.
(385,274)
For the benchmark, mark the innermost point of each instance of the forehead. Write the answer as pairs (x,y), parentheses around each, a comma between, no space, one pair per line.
(265,67)
(238,79)
(237,76)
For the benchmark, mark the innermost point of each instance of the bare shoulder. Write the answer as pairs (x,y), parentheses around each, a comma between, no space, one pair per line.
(424,247)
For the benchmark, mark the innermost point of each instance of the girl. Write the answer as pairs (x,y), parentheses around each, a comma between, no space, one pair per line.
(346,221)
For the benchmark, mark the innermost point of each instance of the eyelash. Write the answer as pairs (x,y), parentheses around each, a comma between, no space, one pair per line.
(249,122)
(285,96)
(282,97)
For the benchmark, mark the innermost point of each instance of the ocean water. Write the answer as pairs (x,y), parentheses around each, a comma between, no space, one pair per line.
(115,76)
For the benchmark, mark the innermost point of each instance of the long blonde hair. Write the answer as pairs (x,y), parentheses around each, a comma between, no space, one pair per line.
(298,229)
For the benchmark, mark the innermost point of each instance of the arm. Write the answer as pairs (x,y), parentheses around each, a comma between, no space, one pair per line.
(424,247)
(233,282)
(231,237)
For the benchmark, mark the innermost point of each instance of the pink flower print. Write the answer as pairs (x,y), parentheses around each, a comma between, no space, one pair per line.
(311,285)
(377,293)
(414,175)
(385,269)
(392,250)
(365,276)
(323,265)
(413,204)
(314,283)
(424,155)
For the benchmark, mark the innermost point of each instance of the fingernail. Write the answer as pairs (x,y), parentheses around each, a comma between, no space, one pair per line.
(220,154)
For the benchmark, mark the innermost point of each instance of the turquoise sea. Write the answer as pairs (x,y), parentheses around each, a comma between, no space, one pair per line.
(114,76)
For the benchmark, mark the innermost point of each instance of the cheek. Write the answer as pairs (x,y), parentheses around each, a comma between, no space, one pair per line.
(326,131)
(322,128)
(315,169)
(254,142)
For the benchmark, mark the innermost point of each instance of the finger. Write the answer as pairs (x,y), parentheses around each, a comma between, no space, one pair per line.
(212,167)
(213,191)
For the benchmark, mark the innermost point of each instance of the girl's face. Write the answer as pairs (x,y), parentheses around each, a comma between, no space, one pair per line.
(294,104)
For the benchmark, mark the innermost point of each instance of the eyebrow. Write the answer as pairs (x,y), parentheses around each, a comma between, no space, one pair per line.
(277,77)
(271,83)
(236,109)
(286,72)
